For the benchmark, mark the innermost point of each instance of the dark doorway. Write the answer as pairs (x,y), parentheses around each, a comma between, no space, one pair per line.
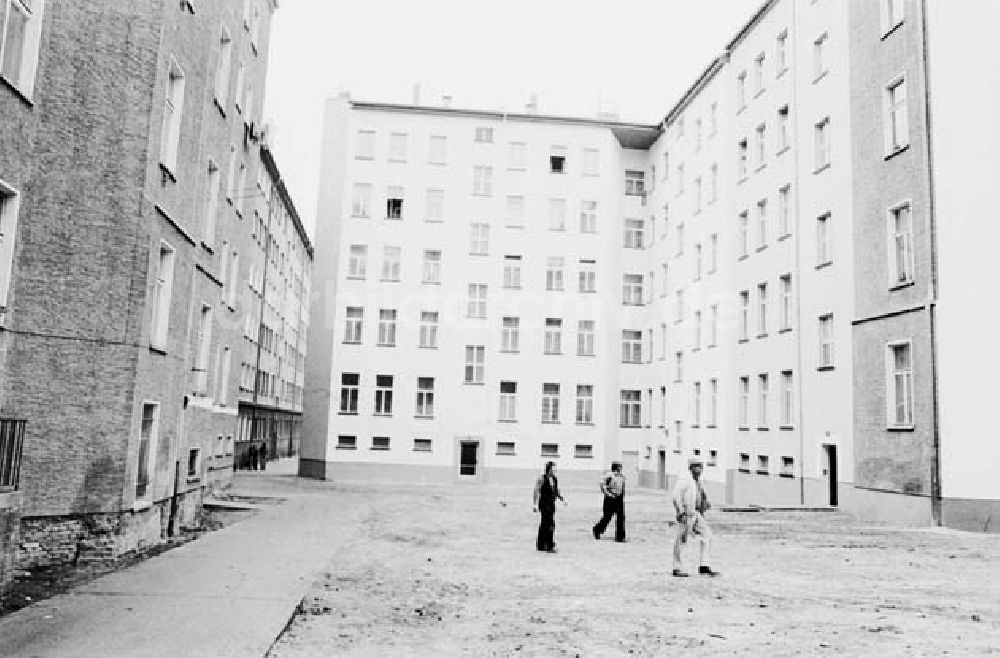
(661,469)
(830,471)
(468,458)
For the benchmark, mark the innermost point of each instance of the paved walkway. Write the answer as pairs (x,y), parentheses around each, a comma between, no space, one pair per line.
(229,593)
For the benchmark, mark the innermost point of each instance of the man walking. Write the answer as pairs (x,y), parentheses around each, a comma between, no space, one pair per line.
(613,488)
(544,501)
(690,505)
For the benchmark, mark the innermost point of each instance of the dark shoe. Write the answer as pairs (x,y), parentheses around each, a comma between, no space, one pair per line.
(597,535)
(707,571)
(680,574)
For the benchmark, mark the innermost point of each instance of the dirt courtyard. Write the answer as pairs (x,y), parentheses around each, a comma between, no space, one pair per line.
(451,571)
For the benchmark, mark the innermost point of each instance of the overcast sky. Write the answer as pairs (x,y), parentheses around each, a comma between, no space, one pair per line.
(634,58)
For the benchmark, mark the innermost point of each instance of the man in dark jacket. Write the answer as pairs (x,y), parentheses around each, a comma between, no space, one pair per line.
(613,488)
(544,500)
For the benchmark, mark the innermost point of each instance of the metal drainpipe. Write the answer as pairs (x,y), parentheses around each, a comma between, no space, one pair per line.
(260,320)
(797,281)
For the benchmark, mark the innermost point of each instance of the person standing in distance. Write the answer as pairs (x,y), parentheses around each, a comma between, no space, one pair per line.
(544,500)
(690,505)
(613,488)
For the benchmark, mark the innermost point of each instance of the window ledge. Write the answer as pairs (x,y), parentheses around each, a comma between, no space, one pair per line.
(786,428)
(551,422)
(427,347)
(759,472)
(824,264)
(896,151)
(821,76)
(742,179)
(347,413)
(892,30)
(385,344)
(378,415)
(781,151)
(158,350)
(361,216)
(786,475)
(763,429)
(900,428)
(763,335)
(900,286)
(583,456)
(630,427)
(743,340)
(474,383)
(207,247)
(743,257)
(782,72)
(218,106)
(167,174)
(193,478)
(355,278)
(506,420)
(821,168)
(743,429)
(512,352)
(761,167)
(347,448)
(784,237)
(825,368)
(433,221)
(784,330)
(364,157)
(584,424)
(20,94)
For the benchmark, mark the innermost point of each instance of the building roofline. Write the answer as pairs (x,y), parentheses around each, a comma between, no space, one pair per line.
(272,168)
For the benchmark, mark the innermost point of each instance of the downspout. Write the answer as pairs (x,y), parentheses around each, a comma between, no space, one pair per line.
(932,293)
(797,281)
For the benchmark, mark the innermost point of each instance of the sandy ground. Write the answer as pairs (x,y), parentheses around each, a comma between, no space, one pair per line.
(450,571)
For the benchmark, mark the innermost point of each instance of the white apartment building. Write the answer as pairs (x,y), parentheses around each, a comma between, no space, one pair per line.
(752,280)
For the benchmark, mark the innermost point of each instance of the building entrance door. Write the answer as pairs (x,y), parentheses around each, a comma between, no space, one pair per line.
(468,459)
(661,469)
(830,471)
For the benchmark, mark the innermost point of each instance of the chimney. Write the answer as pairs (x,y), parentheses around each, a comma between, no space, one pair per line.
(446,100)
(416,93)
(532,105)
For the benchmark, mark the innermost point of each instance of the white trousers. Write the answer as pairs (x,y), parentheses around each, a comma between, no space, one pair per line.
(699,531)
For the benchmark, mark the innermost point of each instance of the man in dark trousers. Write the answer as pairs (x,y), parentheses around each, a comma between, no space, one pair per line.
(252,455)
(613,488)
(263,456)
(544,500)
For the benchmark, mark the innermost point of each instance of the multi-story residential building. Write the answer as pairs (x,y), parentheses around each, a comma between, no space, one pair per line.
(767,268)
(127,186)
(276,323)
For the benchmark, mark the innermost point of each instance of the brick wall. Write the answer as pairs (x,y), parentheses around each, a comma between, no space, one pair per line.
(10,518)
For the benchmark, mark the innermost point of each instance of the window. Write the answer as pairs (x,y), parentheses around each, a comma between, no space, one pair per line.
(554,273)
(475,359)
(477,300)
(361,200)
(387,327)
(211,203)
(588,276)
(9,206)
(697,261)
(508,401)
(632,289)
(223,68)
(434,212)
(557,160)
(892,14)
(678,366)
(713,183)
(422,445)
(364,147)
(897,133)
(786,398)
(397,147)
(550,403)
(783,140)
(744,462)
(162,290)
(204,341)
(679,305)
(557,214)
(19,46)
(510,333)
(383,395)
(713,253)
(762,468)
(697,330)
(761,310)
(425,397)
(678,436)
(781,52)
(347,442)
(394,203)
(680,178)
(505,448)
(761,145)
(432,266)
(349,382)
(380,443)
(697,135)
(744,314)
(822,147)
(635,183)
(663,278)
(744,391)
(428,329)
(744,230)
(515,211)
(553,336)
(240,86)
(631,408)
(713,402)
(437,151)
(512,272)
(583,451)
(516,156)
(634,234)
(819,56)
(823,252)
(742,164)
(484,134)
(172,108)
(225,356)
(591,162)
(148,435)
(482,180)
(696,397)
(900,369)
(758,73)
(584,404)
(697,195)
(585,338)
(588,217)
(713,326)
(479,241)
(784,209)
(663,413)
(762,391)
(354,323)
(901,251)
(679,230)
(357,264)
(826,341)
(550,450)
(741,91)
(390,263)
(786,302)
(631,346)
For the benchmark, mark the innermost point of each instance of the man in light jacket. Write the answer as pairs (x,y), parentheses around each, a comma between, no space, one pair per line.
(613,488)
(690,505)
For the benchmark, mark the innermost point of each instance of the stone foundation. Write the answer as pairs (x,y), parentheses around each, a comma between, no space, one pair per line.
(10,521)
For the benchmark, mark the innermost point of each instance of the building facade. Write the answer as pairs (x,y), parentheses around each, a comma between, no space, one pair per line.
(127,179)
(755,280)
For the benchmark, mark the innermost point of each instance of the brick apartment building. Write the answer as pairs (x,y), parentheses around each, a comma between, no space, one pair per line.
(783,276)
(132,183)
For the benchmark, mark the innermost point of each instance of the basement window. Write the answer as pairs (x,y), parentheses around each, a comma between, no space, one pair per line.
(583,451)
(421,445)
(787,467)
(505,447)
(550,450)
(347,443)
(380,443)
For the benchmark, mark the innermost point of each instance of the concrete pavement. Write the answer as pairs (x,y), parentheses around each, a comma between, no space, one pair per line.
(228,593)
